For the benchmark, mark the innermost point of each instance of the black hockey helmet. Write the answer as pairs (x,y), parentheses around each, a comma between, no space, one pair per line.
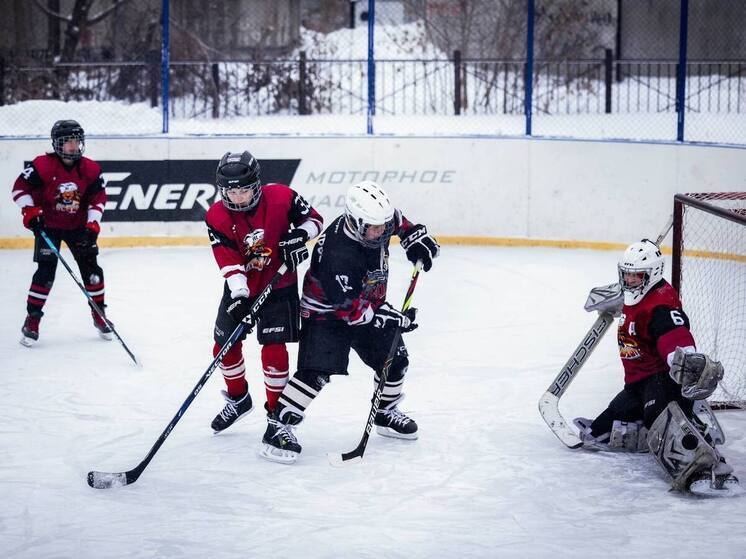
(237,178)
(63,131)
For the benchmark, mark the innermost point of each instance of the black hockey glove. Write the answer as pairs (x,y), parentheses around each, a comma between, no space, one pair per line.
(388,317)
(239,308)
(293,248)
(420,246)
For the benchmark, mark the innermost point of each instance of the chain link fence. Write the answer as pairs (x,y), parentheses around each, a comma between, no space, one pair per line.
(612,69)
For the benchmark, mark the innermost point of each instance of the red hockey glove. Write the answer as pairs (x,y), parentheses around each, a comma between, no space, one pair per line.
(92,229)
(33,218)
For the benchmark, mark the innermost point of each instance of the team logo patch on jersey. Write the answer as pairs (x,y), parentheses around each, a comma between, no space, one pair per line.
(256,251)
(628,348)
(67,198)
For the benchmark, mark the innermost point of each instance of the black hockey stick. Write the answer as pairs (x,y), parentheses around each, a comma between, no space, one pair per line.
(357,454)
(105,480)
(91,302)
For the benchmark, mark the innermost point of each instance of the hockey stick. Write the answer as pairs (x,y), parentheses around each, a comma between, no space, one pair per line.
(357,454)
(549,402)
(93,304)
(105,480)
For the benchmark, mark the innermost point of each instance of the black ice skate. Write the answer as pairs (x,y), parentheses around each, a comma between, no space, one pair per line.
(393,423)
(30,329)
(103,328)
(232,412)
(279,443)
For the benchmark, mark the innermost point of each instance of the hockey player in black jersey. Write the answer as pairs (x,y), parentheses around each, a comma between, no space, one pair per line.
(344,307)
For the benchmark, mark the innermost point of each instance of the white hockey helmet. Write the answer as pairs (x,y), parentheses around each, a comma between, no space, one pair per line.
(368,206)
(644,260)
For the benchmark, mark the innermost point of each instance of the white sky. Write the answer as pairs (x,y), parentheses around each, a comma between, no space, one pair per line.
(486,478)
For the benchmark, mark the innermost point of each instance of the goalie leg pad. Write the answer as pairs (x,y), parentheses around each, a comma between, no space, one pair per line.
(628,436)
(710,423)
(679,447)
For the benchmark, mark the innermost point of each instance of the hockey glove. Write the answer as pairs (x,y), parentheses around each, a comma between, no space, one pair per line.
(697,374)
(239,309)
(92,229)
(293,248)
(388,317)
(419,245)
(33,218)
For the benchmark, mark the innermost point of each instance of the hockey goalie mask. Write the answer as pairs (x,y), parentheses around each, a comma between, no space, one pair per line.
(68,140)
(640,268)
(369,215)
(237,178)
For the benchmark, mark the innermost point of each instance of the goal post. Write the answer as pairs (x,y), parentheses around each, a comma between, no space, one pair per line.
(709,272)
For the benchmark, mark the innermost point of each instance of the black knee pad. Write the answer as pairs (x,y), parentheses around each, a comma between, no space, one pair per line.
(398,369)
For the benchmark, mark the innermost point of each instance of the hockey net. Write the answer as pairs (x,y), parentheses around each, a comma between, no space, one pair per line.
(709,271)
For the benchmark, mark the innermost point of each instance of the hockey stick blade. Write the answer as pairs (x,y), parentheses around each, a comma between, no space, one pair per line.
(549,409)
(345,459)
(106,480)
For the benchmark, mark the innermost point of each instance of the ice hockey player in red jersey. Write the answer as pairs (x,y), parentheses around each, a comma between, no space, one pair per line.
(662,407)
(253,230)
(62,193)
(344,307)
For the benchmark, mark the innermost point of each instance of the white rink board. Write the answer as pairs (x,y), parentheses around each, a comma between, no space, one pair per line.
(465,187)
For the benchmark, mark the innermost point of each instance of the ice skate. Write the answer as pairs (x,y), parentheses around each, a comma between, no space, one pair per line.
(279,443)
(104,330)
(30,329)
(234,410)
(718,481)
(394,423)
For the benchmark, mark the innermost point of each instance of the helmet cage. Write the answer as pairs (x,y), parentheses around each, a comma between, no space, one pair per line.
(254,187)
(359,229)
(635,291)
(62,132)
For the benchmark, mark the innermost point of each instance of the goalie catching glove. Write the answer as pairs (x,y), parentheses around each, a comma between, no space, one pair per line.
(387,317)
(420,246)
(293,248)
(697,374)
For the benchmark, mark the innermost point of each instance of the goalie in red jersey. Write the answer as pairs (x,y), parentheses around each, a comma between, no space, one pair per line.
(62,193)
(253,231)
(663,406)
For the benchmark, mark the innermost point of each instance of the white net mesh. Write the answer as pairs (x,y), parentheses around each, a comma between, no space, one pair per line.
(712,277)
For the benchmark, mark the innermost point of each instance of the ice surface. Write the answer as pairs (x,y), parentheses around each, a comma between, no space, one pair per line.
(485,479)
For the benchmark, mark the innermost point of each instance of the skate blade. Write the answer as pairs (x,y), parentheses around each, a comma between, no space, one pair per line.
(273,454)
(27,342)
(704,489)
(108,336)
(389,432)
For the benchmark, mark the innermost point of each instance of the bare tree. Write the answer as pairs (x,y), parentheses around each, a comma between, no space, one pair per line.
(77,23)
